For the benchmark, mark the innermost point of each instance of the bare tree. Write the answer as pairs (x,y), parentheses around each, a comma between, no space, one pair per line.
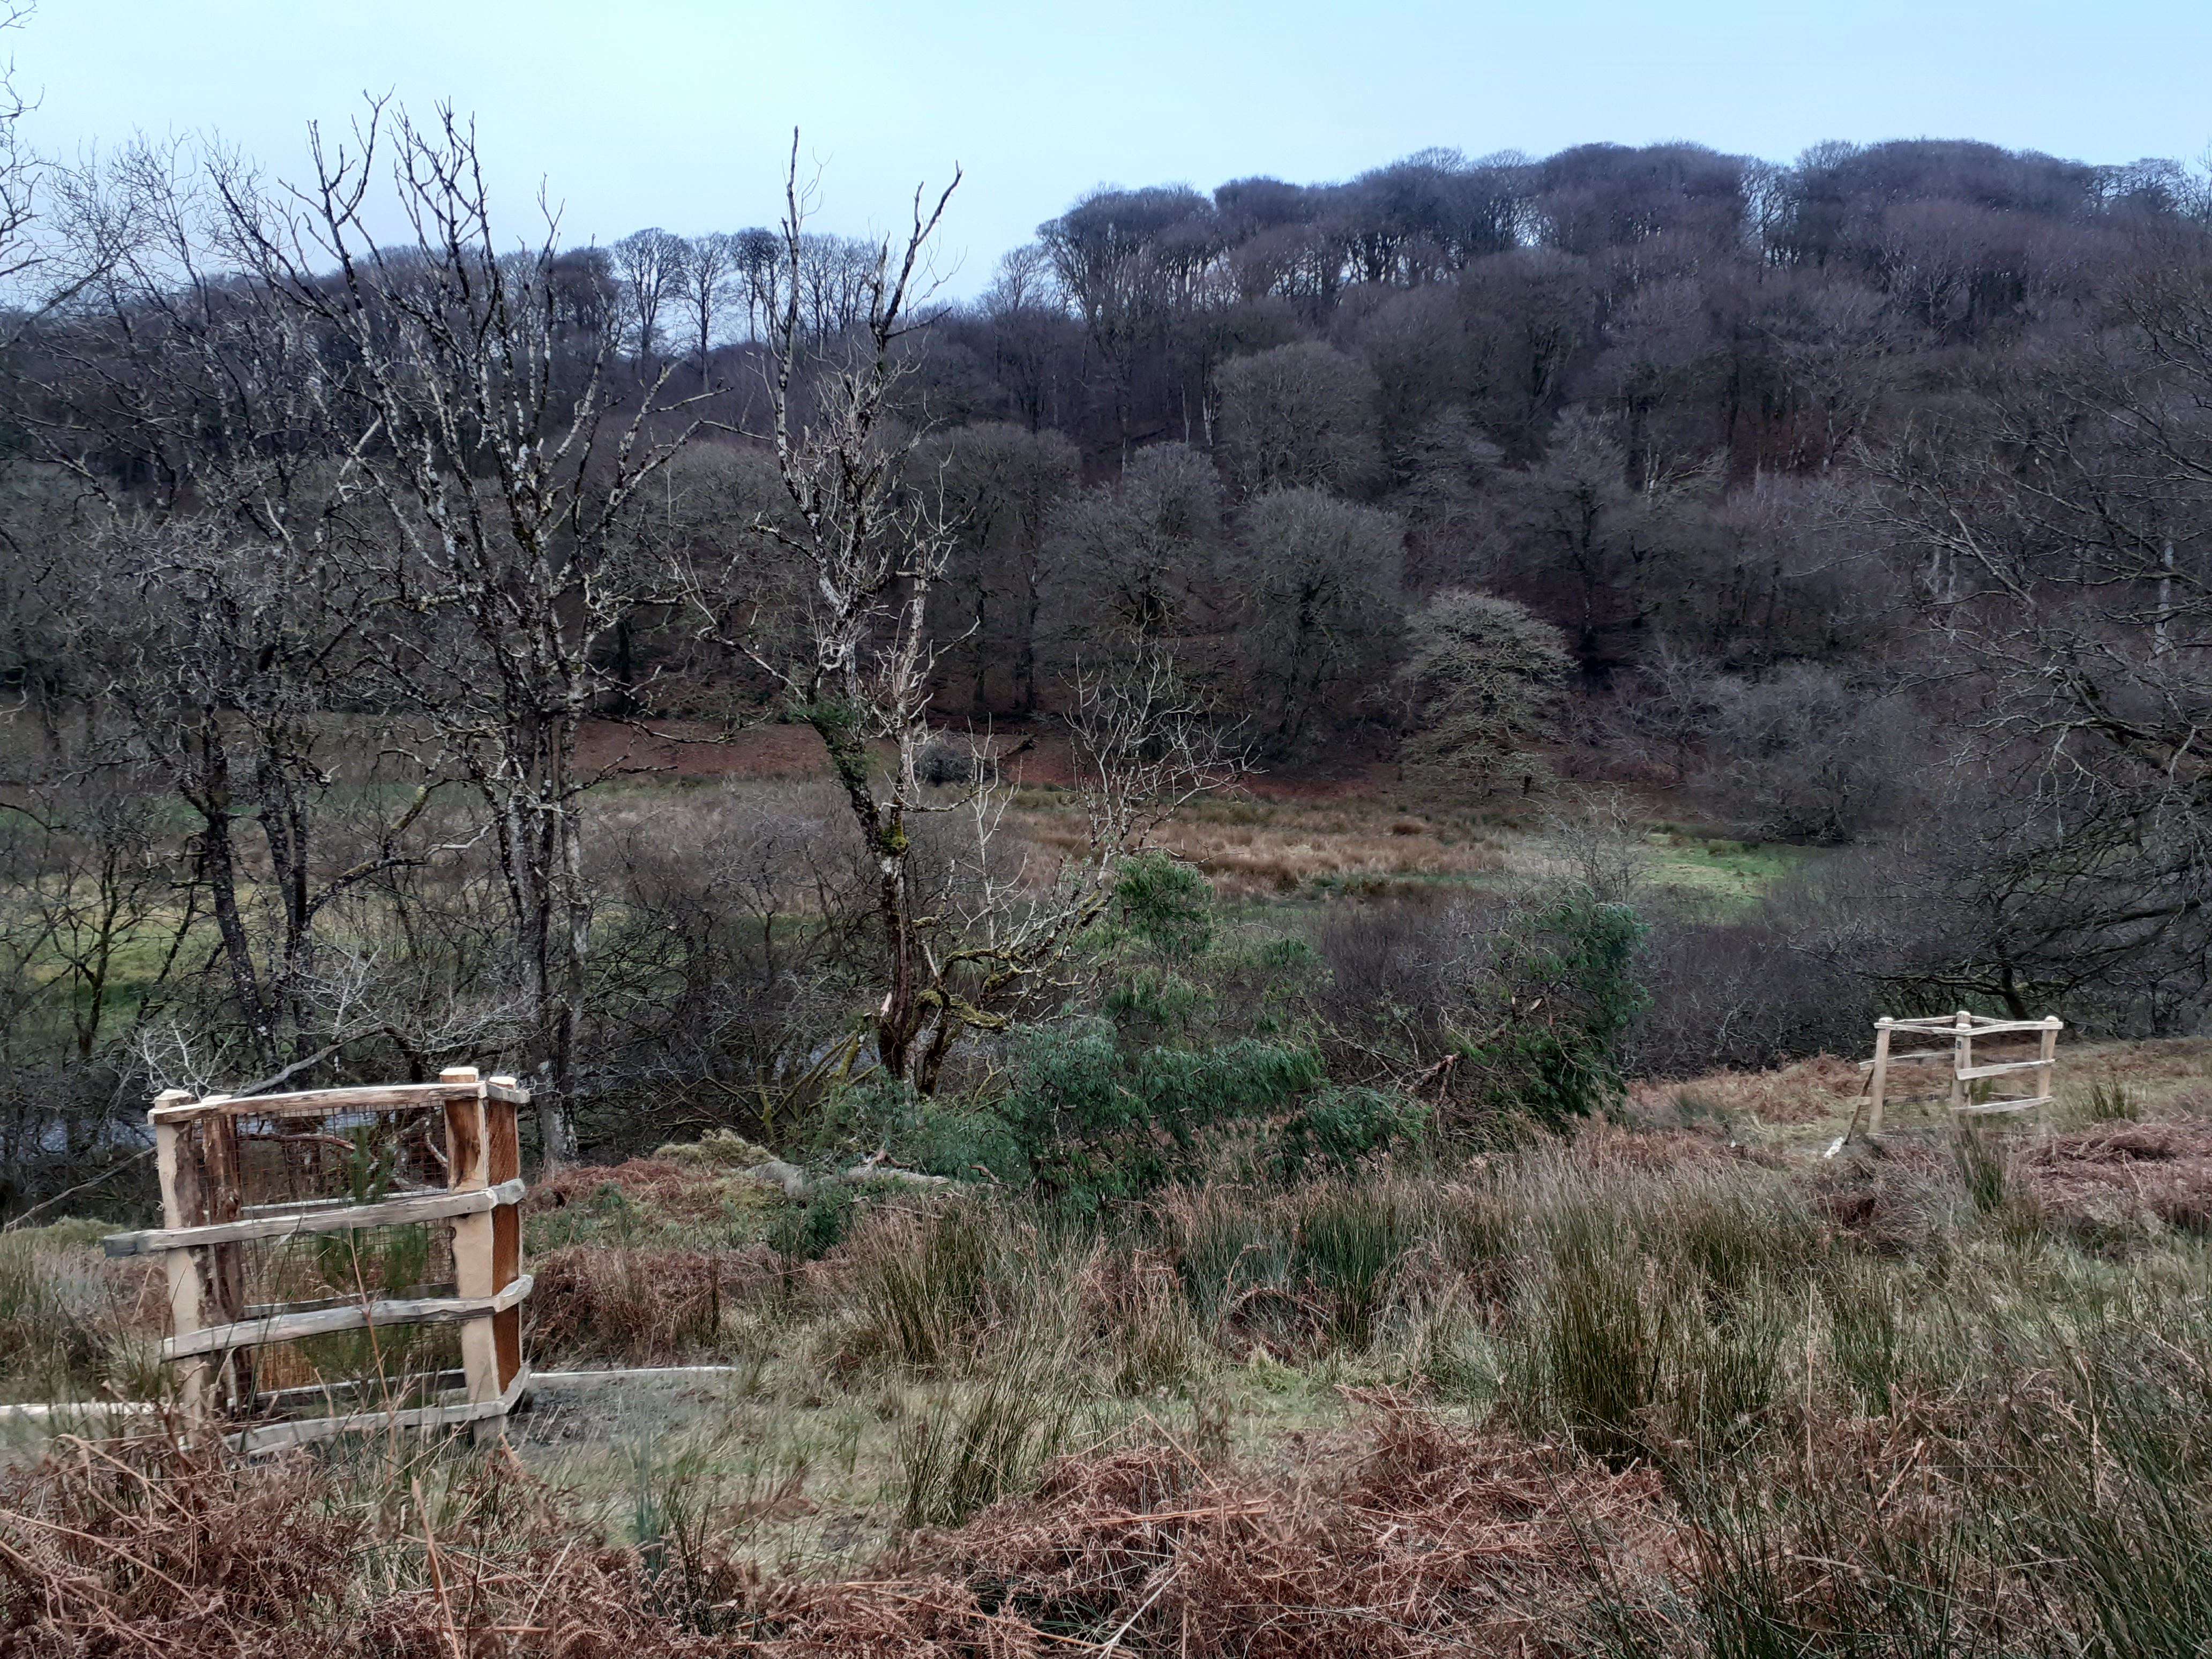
(1321,581)
(996,936)
(872,546)
(1133,559)
(961,946)
(705,277)
(1662,709)
(1003,481)
(503,495)
(649,266)
(758,252)
(1486,676)
(1301,415)
(208,620)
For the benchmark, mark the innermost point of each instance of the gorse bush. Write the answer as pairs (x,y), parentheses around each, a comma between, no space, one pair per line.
(1569,994)
(1164,903)
(1191,1062)
(1099,1122)
(816,1227)
(959,1137)
(1334,1128)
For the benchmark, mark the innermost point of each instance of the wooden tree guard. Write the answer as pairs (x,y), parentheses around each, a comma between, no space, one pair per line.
(1962,1029)
(197,1148)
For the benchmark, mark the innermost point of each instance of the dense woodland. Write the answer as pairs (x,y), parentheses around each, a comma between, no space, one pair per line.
(1859,504)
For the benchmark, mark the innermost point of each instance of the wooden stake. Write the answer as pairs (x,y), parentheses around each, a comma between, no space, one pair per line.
(223,1265)
(502,1163)
(1962,1060)
(179,1209)
(1882,1029)
(468,1151)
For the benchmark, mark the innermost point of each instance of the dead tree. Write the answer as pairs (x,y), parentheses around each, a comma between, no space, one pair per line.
(870,547)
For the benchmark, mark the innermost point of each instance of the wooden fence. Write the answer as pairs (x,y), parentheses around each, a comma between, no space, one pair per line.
(461,1128)
(1963,1029)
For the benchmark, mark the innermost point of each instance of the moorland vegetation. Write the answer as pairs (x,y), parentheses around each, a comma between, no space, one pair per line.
(1284,815)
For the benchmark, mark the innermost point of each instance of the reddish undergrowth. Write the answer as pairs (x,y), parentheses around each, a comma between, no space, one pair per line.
(2123,1171)
(1411,1539)
(636,1305)
(157,1546)
(1429,1540)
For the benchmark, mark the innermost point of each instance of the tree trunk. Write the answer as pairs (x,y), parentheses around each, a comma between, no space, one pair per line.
(219,870)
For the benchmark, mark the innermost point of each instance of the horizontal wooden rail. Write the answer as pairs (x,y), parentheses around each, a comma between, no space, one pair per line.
(384,1097)
(1923,1057)
(1998,1070)
(2006,1105)
(389,1212)
(1949,1026)
(325,1321)
(279,1437)
(376,1097)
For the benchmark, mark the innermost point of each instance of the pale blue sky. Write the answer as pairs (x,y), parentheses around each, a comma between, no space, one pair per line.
(677,112)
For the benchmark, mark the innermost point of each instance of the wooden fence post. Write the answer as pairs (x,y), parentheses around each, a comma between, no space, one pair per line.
(468,1167)
(503,1163)
(223,1265)
(198,1166)
(180,1208)
(1962,1060)
(1880,1081)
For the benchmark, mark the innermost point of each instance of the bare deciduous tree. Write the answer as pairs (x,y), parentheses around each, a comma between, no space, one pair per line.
(872,542)
(503,493)
(1301,415)
(1486,676)
(1321,581)
(649,265)
(997,936)
(706,279)
(870,545)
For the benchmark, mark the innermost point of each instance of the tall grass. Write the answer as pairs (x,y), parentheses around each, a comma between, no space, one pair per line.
(924,1282)
(966,1448)
(74,1326)
(1894,1405)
